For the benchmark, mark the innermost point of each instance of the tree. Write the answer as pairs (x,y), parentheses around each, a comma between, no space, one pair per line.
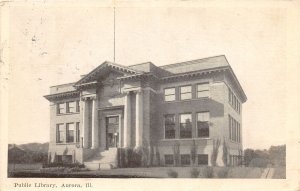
(277,155)
(249,154)
(157,155)
(225,153)
(215,151)
(176,151)
(193,152)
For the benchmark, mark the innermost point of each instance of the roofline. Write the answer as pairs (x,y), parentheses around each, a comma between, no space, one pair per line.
(140,64)
(174,64)
(102,65)
(236,79)
(62,84)
(196,71)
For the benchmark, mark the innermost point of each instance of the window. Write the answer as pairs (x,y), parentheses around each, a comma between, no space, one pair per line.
(238,133)
(58,158)
(230,127)
(67,159)
(70,132)
(234,101)
(203,124)
(203,90)
(185,92)
(77,132)
(60,134)
(202,159)
(71,107)
(169,160)
(230,96)
(169,126)
(186,126)
(170,94)
(234,130)
(185,159)
(61,108)
(77,106)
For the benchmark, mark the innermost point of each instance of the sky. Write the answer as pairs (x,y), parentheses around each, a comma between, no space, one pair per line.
(55,45)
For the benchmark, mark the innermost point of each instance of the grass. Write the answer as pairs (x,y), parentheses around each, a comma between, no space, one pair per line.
(279,173)
(32,170)
(24,167)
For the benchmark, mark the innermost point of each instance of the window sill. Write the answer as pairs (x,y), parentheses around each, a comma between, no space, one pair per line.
(235,142)
(67,113)
(234,108)
(67,143)
(186,139)
(187,100)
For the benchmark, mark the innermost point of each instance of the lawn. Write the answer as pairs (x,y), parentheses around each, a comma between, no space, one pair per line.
(153,172)
(24,167)
(279,173)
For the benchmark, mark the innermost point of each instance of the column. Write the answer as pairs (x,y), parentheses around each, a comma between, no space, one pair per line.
(85,123)
(139,119)
(95,137)
(120,131)
(127,121)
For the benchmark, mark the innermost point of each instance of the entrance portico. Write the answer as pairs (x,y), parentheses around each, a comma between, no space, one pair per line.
(113,126)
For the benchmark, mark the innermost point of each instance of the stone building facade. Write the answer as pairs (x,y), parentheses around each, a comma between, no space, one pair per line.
(182,113)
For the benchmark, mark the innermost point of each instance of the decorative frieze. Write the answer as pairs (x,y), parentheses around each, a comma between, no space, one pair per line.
(64,95)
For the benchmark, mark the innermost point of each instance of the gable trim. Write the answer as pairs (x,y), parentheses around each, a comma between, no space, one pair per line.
(106,64)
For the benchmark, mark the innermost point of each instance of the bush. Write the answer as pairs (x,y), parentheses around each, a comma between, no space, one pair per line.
(195,172)
(134,157)
(67,165)
(259,162)
(207,172)
(215,152)
(172,173)
(223,172)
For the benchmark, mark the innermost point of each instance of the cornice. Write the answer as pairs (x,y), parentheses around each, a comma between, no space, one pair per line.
(192,74)
(58,96)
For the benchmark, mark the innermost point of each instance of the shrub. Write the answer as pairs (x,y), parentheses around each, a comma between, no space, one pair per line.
(193,152)
(176,152)
(225,153)
(172,173)
(195,172)
(67,165)
(134,157)
(223,172)
(215,152)
(259,162)
(207,172)
(157,155)
(145,153)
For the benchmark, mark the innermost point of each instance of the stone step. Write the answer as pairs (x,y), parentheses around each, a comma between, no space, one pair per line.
(98,166)
(103,160)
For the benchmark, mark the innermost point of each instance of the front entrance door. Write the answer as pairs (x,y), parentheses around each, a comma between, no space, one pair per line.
(112,131)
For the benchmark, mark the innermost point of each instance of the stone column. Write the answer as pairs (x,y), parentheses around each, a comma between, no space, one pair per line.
(127,121)
(120,131)
(95,137)
(85,123)
(139,119)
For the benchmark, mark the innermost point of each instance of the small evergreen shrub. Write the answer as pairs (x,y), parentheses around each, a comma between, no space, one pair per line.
(195,172)
(66,165)
(172,173)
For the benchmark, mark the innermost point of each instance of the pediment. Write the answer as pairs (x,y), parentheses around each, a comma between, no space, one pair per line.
(106,72)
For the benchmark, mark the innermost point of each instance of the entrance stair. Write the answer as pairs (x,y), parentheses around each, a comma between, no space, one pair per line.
(103,160)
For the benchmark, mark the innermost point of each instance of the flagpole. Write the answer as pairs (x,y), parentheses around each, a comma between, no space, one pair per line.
(114,33)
